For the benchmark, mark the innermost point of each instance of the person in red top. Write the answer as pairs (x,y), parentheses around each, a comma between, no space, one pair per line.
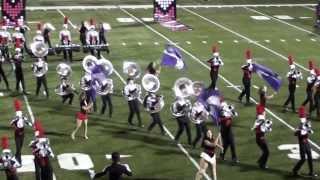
(227,115)
(7,161)
(261,127)
(209,145)
(302,132)
(215,63)
(246,79)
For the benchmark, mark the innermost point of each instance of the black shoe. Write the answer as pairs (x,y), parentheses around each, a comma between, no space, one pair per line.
(313,174)
(295,173)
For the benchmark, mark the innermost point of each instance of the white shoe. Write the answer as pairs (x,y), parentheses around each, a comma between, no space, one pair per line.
(91,173)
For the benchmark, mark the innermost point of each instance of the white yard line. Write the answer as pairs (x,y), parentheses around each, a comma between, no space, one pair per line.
(207,67)
(62,14)
(310,8)
(244,37)
(282,21)
(149,6)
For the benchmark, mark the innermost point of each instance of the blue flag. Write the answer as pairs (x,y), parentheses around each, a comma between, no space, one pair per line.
(172,57)
(272,78)
(211,101)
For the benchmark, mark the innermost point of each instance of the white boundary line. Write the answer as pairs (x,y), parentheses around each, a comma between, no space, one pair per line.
(207,67)
(310,8)
(281,21)
(167,131)
(60,12)
(149,6)
(245,38)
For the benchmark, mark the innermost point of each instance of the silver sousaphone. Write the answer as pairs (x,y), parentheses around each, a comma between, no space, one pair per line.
(151,84)
(64,70)
(39,49)
(132,69)
(183,87)
(89,63)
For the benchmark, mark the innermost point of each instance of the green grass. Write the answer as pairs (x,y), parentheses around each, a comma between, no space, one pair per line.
(156,156)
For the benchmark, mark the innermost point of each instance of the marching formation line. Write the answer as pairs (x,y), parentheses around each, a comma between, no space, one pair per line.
(207,67)
(149,6)
(194,162)
(244,37)
(281,21)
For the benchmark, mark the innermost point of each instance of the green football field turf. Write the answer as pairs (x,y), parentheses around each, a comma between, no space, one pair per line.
(158,157)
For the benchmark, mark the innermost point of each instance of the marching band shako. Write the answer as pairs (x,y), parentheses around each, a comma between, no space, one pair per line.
(39,68)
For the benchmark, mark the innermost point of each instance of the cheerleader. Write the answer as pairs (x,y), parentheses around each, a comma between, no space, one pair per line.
(208,156)
(82,115)
(263,95)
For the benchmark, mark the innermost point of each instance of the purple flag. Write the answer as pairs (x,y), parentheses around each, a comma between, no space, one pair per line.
(172,58)
(211,100)
(272,78)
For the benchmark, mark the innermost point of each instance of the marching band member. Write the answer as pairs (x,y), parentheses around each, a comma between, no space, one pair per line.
(18,123)
(5,40)
(302,132)
(92,38)
(65,39)
(199,114)
(246,79)
(82,115)
(83,30)
(42,152)
(181,108)
(226,118)
(293,75)
(153,68)
(115,170)
(263,95)
(39,37)
(17,60)
(208,156)
(106,97)
(68,89)
(152,104)
(7,161)
(40,69)
(132,93)
(102,37)
(215,63)
(261,127)
(3,75)
(316,97)
(309,89)
(18,37)
(46,36)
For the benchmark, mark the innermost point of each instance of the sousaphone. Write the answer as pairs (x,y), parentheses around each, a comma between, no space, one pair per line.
(89,62)
(64,70)
(39,49)
(150,83)
(183,87)
(132,69)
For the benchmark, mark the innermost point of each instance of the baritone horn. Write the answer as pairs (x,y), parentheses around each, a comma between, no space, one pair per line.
(150,83)
(39,49)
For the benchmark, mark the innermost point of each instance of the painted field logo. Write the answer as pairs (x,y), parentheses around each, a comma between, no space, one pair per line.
(295,152)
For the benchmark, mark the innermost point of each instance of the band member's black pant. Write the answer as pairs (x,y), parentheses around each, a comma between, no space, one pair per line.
(42,80)
(66,97)
(20,79)
(214,78)
(183,124)
(4,77)
(67,53)
(246,91)
(92,99)
(83,39)
(43,172)
(104,41)
(37,169)
(134,109)
(156,120)
(291,97)
(305,150)
(309,100)
(11,176)
(106,99)
(47,40)
(201,129)
(19,138)
(316,103)
(228,140)
(265,153)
